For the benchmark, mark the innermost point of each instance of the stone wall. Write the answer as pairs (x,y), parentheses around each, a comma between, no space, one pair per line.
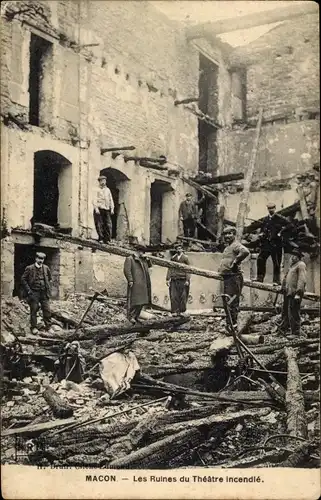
(283,67)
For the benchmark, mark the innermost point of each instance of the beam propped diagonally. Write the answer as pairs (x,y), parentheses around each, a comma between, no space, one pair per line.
(210,29)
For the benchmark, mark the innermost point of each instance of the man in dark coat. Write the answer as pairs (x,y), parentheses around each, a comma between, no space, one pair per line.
(272,227)
(293,287)
(178,281)
(36,282)
(188,213)
(231,272)
(139,290)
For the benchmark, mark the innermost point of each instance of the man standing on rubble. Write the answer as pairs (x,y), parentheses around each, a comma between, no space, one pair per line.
(178,281)
(272,227)
(103,210)
(188,214)
(139,289)
(293,288)
(36,282)
(231,272)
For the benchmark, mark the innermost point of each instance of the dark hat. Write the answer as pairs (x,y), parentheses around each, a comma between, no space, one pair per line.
(229,229)
(41,255)
(296,251)
(102,177)
(270,204)
(189,194)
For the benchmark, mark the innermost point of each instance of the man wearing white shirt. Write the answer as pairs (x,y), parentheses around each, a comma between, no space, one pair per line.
(103,209)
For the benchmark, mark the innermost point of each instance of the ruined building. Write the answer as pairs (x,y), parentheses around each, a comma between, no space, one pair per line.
(81,77)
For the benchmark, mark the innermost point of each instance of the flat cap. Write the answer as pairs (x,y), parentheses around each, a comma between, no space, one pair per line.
(41,255)
(270,204)
(296,251)
(229,229)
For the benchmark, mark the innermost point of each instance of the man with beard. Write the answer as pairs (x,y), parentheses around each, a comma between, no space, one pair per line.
(36,282)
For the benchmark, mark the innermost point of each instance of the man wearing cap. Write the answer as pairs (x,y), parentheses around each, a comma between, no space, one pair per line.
(188,214)
(139,289)
(178,281)
(272,227)
(293,287)
(103,209)
(231,272)
(36,282)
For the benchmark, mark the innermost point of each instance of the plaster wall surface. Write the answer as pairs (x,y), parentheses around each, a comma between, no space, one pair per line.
(284,149)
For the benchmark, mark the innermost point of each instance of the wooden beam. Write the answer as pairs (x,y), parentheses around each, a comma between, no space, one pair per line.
(34,429)
(248,180)
(195,240)
(125,252)
(199,188)
(110,150)
(220,224)
(296,417)
(303,203)
(211,29)
(218,179)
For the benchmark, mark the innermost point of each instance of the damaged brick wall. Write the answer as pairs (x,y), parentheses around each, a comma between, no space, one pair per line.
(282,70)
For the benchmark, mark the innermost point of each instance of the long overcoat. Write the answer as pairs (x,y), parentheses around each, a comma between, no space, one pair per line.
(136,270)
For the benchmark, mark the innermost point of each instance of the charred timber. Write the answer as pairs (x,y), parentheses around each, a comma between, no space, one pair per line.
(113,249)
(149,164)
(159,454)
(104,331)
(58,406)
(110,150)
(35,429)
(186,101)
(296,417)
(196,186)
(219,179)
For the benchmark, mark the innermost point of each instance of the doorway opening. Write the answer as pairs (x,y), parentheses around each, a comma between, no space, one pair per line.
(207,136)
(52,195)
(118,184)
(24,255)
(208,104)
(40,79)
(158,191)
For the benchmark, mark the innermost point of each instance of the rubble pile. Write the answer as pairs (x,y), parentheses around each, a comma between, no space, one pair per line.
(166,392)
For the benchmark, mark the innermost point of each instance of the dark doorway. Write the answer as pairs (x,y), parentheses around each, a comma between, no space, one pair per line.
(116,181)
(207,136)
(24,255)
(52,189)
(40,52)
(156,206)
(208,104)
(157,191)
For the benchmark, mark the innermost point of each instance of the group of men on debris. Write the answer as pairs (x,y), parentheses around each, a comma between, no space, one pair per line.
(36,279)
